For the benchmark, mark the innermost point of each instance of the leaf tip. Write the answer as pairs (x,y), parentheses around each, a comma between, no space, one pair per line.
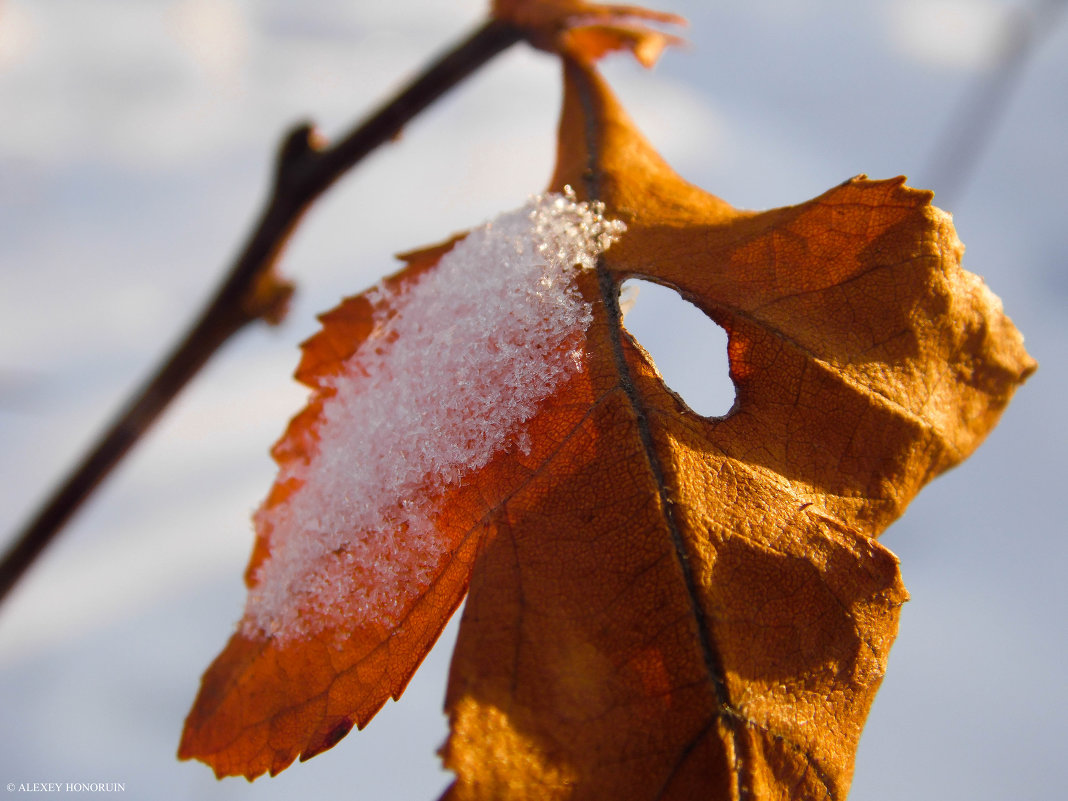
(587,31)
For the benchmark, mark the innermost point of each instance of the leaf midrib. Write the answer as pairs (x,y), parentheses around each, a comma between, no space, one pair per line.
(609,291)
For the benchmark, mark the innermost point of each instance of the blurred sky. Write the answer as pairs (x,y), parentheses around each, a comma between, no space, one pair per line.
(135,146)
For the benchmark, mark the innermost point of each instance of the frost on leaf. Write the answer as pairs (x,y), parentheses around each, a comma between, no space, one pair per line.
(454,365)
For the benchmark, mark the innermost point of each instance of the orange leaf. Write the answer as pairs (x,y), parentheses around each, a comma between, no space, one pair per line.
(268,699)
(388,480)
(661,605)
(684,607)
(587,31)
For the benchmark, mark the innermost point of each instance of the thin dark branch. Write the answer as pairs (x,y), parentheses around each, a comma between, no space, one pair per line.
(252,289)
(957,152)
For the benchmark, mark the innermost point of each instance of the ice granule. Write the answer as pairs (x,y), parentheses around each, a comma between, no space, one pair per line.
(456,365)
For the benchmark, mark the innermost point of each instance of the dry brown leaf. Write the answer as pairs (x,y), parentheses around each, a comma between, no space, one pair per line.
(587,31)
(661,605)
(683,607)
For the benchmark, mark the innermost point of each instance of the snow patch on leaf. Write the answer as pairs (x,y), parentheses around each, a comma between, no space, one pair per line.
(457,363)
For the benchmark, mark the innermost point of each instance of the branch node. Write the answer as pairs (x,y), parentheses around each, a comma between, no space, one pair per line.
(268,297)
(302,144)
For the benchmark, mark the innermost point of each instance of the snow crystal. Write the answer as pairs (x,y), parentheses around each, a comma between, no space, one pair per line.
(456,365)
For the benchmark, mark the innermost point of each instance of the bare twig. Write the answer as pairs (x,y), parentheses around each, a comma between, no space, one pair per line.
(957,152)
(252,290)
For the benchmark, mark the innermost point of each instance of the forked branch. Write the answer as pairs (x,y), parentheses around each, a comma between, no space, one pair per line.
(252,290)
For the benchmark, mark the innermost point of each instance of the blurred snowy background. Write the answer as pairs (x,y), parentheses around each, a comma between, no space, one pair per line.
(135,143)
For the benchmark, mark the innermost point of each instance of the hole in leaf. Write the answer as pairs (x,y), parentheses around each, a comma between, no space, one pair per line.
(688,348)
